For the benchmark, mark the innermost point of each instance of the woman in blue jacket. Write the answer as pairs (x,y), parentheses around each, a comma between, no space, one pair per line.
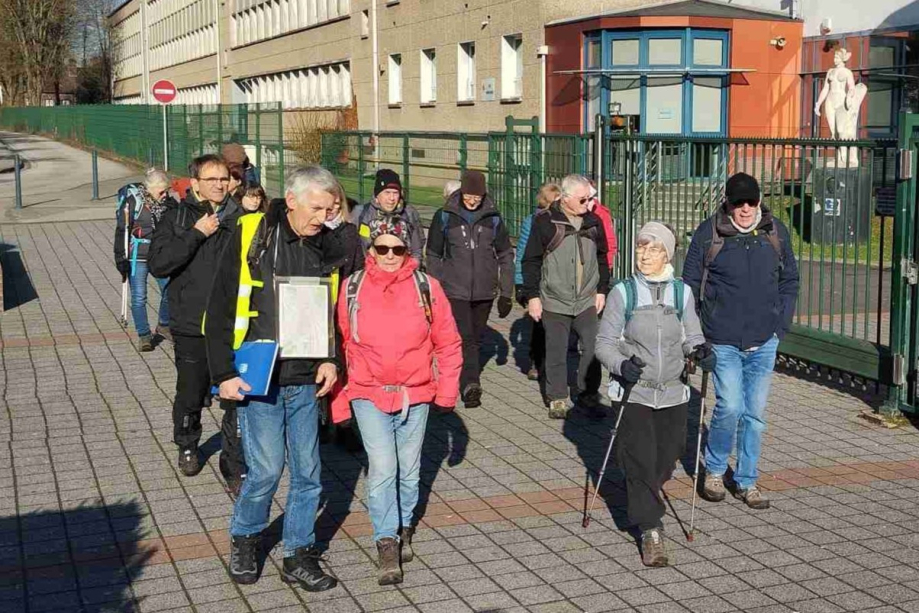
(547,194)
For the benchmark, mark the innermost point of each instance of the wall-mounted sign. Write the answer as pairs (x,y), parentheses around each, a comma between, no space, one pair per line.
(488,89)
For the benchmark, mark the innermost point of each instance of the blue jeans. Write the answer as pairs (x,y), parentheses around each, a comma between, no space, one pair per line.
(394,451)
(285,422)
(742,380)
(139,300)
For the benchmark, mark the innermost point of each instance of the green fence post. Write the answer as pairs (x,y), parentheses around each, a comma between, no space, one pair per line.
(281,172)
(463,151)
(406,179)
(361,166)
(258,135)
(200,129)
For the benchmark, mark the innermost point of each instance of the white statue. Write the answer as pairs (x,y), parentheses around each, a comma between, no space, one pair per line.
(843,99)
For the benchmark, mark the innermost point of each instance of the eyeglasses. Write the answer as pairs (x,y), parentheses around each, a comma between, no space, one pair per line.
(470,198)
(652,250)
(397,251)
(213,180)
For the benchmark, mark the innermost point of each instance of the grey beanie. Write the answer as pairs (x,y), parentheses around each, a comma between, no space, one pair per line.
(657,232)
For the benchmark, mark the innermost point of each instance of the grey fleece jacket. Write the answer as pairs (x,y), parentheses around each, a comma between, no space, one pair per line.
(656,335)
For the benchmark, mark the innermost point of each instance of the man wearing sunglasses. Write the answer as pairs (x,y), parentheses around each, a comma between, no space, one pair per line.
(185,247)
(741,267)
(565,282)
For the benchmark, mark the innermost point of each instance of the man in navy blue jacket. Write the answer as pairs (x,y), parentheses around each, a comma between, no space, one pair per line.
(742,269)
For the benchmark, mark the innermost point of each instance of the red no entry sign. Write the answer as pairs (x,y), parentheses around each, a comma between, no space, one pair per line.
(164,91)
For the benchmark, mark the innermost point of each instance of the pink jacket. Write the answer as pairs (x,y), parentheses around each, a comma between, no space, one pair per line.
(394,358)
(611,244)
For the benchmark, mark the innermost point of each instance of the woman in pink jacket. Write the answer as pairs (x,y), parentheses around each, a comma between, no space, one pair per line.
(396,322)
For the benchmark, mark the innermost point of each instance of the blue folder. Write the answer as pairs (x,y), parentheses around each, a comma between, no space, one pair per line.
(255,364)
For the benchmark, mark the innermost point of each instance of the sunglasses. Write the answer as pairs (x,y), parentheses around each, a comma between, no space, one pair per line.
(753,204)
(385,249)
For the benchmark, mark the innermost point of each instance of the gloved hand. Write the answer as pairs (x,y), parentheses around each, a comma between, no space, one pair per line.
(124,267)
(505,305)
(441,409)
(630,370)
(705,357)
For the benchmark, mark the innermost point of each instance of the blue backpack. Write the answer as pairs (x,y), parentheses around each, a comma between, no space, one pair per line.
(631,296)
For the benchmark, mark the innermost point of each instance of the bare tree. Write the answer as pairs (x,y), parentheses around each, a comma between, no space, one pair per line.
(41,29)
(96,37)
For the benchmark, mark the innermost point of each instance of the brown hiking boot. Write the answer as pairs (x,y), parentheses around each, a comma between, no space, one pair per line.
(713,488)
(408,554)
(558,409)
(652,548)
(390,571)
(145,343)
(752,497)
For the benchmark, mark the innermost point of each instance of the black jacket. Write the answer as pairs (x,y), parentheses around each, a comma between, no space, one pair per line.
(142,226)
(750,292)
(189,259)
(344,247)
(311,256)
(472,260)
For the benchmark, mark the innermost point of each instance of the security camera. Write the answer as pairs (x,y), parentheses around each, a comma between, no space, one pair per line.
(778,43)
(826,26)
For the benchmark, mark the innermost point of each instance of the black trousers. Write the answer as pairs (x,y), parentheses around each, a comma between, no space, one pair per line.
(232,463)
(193,380)
(472,321)
(649,444)
(558,330)
(538,346)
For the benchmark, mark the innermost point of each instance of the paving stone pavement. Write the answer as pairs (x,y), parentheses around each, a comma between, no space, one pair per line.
(94,516)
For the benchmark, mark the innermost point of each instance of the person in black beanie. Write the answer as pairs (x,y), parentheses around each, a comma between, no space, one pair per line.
(388,200)
(470,253)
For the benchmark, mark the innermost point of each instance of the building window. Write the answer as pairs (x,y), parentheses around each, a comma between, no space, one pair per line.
(395,78)
(512,67)
(316,87)
(428,76)
(365,23)
(465,72)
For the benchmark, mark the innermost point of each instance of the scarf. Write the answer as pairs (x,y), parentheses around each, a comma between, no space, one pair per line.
(665,275)
(759,218)
(332,224)
(156,208)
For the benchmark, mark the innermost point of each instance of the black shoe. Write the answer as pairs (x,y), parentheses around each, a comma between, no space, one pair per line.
(164,332)
(244,552)
(189,463)
(472,396)
(303,568)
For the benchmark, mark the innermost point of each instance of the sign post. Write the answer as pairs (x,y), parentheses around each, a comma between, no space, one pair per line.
(164,92)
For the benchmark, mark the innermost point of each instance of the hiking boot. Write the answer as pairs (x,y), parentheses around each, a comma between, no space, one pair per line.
(189,463)
(303,568)
(652,548)
(408,554)
(533,374)
(472,396)
(713,488)
(234,485)
(390,571)
(164,332)
(591,403)
(244,551)
(752,497)
(145,343)
(558,409)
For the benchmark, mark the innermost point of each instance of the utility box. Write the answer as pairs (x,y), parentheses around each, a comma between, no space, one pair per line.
(841,209)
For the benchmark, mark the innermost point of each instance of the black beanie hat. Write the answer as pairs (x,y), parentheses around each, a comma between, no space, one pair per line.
(741,188)
(472,183)
(386,179)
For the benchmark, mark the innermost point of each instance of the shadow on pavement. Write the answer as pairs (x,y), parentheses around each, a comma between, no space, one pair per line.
(17,286)
(520,338)
(446,440)
(494,345)
(83,559)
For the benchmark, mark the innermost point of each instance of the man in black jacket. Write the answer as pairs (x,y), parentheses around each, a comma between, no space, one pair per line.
(742,270)
(470,253)
(185,247)
(291,241)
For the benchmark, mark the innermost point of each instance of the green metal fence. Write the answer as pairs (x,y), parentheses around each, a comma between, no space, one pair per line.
(135,132)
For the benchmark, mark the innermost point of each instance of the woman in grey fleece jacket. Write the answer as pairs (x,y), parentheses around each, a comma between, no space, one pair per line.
(644,318)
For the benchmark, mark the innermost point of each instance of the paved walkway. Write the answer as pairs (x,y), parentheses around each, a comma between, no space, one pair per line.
(94,516)
(57,181)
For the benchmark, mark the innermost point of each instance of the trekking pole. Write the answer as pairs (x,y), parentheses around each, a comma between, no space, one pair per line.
(124,284)
(695,474)
(625,399)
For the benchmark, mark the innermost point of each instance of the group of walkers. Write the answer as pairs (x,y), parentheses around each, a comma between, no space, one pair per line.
(410,317)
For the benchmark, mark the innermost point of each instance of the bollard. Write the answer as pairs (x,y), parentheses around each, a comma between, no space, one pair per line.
(17,163)
(95,175)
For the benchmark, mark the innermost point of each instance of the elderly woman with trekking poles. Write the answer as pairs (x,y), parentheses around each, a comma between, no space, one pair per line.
(140,206)
(648,331)
(396,322)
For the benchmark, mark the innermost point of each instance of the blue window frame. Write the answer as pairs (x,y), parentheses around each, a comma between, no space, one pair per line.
(679,76)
